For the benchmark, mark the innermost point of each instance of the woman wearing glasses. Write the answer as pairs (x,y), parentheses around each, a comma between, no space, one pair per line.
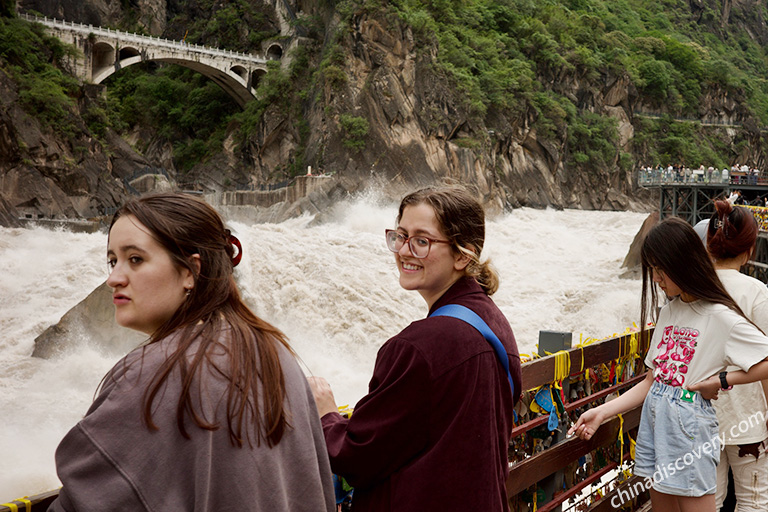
(433,431)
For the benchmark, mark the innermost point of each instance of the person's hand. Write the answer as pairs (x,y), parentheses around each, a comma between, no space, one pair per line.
(587,424)
(323,395)
(707,388)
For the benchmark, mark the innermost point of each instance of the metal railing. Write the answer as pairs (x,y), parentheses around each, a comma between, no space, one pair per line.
(647,177)
(705,121)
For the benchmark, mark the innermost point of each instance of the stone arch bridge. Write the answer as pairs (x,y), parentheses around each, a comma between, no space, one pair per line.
(105,51)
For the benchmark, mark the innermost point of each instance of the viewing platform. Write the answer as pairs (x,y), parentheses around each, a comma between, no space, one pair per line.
(692,197)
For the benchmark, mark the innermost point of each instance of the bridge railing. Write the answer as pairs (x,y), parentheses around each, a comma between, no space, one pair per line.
(141,39)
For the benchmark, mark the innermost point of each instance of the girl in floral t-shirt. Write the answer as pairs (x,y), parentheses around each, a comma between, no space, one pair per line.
(699,333)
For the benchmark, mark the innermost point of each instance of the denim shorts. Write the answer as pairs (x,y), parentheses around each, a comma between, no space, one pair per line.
(677,442)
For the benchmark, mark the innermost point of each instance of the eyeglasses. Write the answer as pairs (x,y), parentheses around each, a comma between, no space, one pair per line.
(419,245)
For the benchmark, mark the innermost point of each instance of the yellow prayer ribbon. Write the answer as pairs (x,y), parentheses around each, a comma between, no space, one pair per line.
(562,365)
(14,507)
(633,343)
(345,409)
(625,472)
(621,438)
(580,345)
(27,503)
(525,358)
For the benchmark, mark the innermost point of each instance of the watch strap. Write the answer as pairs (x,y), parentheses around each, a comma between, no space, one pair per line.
(724,381)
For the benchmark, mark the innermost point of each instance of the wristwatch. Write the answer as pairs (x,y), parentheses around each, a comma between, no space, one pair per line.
(724,381)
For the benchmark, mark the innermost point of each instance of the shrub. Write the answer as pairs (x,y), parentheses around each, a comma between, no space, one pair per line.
(354,131)
(34,59)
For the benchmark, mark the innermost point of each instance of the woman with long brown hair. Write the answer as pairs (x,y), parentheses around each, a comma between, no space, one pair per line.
(213,411)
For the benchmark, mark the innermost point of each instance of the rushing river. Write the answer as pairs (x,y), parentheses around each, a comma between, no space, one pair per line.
(332,288)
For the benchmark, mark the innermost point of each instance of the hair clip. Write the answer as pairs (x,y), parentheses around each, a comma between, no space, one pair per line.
(719,224)
(239,254)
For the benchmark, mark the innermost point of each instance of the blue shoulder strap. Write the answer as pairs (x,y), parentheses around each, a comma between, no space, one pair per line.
(473,319)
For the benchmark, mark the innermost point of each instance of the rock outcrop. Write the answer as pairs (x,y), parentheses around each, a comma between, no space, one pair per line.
(632,261)
(92,320)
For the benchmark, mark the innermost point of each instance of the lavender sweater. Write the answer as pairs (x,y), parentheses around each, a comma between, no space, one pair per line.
(111,461)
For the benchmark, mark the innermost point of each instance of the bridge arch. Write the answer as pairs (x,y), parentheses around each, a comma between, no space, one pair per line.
(126,52)
(103,55)
(236,82)
(256,77)
(240,71)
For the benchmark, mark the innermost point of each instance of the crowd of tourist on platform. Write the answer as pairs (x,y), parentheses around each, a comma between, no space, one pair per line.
(678,173)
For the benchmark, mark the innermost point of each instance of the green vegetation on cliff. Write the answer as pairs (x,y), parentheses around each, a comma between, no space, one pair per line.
(238,25)
(180,105)
(7,7)
(516,55)
(33,59)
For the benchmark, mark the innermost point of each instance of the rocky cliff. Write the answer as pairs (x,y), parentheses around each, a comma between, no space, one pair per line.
(46,175)
(418,133)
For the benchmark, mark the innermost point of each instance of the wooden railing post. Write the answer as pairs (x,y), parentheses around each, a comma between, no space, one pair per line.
(552,342)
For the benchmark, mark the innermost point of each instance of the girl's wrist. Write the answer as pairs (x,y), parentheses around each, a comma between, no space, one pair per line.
(724,381)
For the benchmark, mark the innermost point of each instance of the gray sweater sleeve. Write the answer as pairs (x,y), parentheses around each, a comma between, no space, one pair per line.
(88,468)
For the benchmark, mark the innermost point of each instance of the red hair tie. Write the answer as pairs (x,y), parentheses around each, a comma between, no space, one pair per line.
(236,258)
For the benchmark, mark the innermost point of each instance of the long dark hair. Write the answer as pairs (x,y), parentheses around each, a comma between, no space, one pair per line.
(185,226)
(731,231)
(462,219)
(674,247)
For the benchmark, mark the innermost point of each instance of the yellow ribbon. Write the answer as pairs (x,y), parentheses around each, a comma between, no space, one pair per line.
(625,472)
(633,344)
(346,409)
(580,345)
(621,442)
(12,506)
(562,365)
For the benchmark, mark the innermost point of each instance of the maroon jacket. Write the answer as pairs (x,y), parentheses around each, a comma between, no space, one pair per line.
(432,433)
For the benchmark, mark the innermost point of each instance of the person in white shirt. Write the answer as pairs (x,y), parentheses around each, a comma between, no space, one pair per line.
(731,235)
(698,334)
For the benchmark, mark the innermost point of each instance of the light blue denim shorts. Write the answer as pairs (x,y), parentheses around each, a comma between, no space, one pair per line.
(677,442)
